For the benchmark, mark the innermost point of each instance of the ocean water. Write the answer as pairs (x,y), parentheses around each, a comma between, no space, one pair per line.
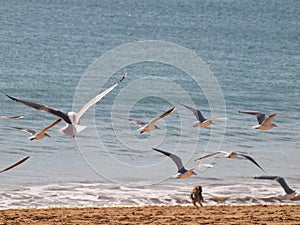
(218,56)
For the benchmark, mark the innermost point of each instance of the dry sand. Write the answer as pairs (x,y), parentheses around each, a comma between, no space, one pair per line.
(258,214)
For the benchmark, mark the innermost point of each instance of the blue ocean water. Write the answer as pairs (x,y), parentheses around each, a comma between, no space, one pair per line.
(51,51)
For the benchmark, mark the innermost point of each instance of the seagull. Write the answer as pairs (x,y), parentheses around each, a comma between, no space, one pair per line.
(231,155)
(201,121)
(149,127)
(72,119)
(263,123)
(41,134)
(290,193)
(182,172)
(11,117)
(14,165)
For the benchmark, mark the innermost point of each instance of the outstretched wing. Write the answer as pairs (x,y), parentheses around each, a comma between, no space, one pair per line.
(252,160)
(14,165)
(44,108)
(98,97)
(260,116)
(175,158)
(269,119)
(11,117)
(196,112)
(211,154)
(51,125)
(138,122)
(280,180)
(32,132)
(162,115)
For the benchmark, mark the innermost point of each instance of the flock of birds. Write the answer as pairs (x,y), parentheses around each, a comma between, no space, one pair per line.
(73,127)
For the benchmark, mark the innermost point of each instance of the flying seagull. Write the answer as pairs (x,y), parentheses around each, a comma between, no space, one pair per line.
(14,165)
(263,123)
(201,121)
(290,193)
(182,172)
(41,134)
(232,155)
(149,127)
(71,118)
(11,117)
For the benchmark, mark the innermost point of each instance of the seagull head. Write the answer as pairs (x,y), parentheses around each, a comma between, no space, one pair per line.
(231,155)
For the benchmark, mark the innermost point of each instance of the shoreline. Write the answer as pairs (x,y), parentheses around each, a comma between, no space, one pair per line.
(210,214)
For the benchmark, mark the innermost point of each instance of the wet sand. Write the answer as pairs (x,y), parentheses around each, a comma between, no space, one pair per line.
(223,214)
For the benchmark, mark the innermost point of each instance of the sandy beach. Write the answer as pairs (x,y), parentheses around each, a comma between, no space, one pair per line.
(257,214)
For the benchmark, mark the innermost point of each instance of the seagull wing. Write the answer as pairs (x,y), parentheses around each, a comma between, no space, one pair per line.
(252,160)
(44,108)
(284,185)
(11,117)
(196,112)
(14,165)
(98,97)
(280,180)
(138,122)
(52,125)
(26,130)
(175,158)
(162,115)
(269,119)
(211,154)
(260,116)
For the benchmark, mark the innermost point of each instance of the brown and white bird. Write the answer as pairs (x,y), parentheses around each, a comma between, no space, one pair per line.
(201,121)
(232,155)
(149,127)
(40,134)
(182,172)
(263,123)
(72,119)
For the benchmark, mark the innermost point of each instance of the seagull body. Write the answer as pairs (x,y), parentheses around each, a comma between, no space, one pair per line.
(72,119)
(201,121)
(11,117)
(290,193)
(149,127)
(41,134)
(14,165)
(263,123)
(232,155)
(182,172)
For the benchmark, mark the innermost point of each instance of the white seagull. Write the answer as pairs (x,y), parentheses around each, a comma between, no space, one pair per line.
(41,134)
(263,123)
(290,193)
(11,117)
(72,119)
(14,165)
(232,155)
(182,172)
(201,121)
(149,127)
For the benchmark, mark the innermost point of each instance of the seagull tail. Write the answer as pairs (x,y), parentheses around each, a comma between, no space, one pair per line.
(79,128)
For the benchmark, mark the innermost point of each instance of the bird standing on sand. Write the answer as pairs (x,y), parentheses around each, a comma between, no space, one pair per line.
(232,155)
(72,119)
(263,123)
(182,172)
(41,134)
